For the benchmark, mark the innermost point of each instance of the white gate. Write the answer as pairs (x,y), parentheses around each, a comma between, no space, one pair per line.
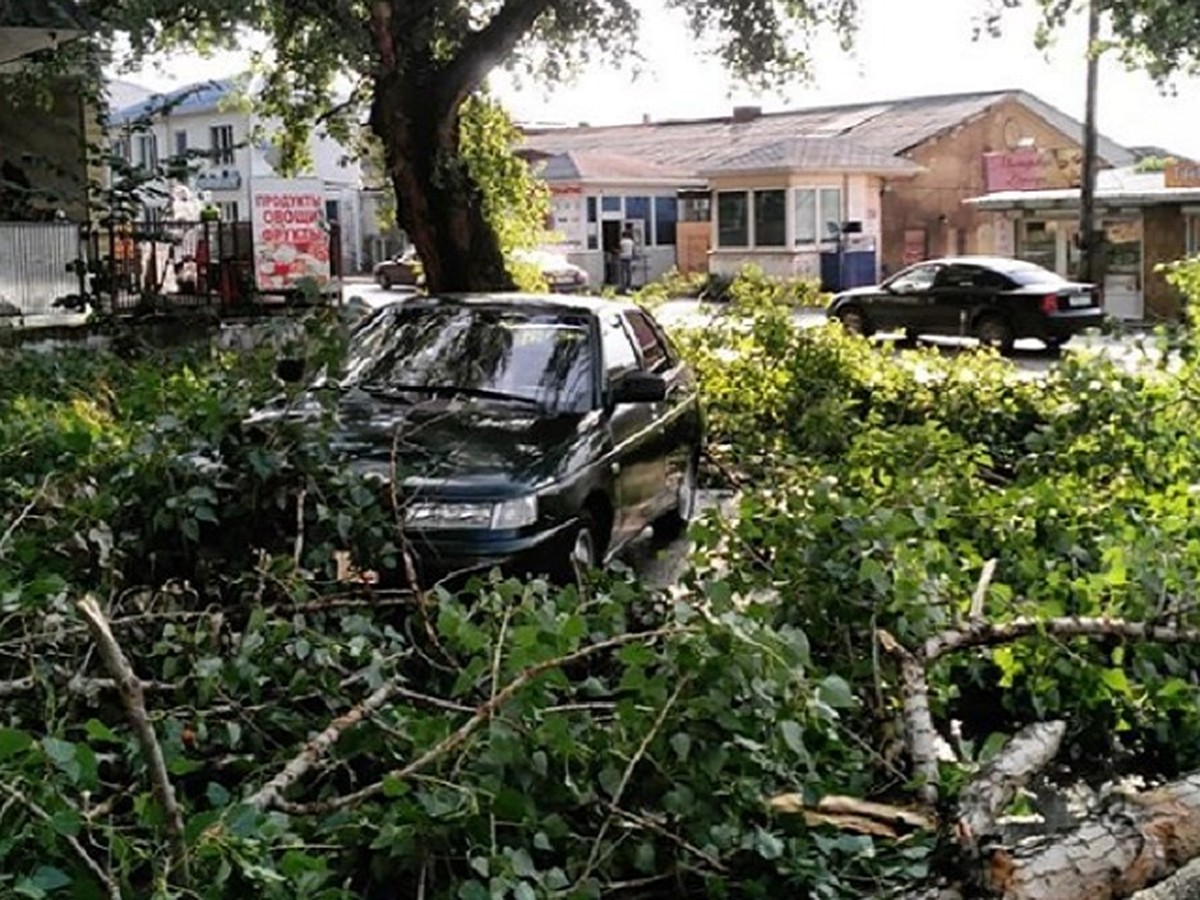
(37,266)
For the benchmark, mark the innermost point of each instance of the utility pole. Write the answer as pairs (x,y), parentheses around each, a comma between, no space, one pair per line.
(1089,239)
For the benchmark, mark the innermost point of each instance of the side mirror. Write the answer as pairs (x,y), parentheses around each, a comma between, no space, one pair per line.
(640,387)
(289,370)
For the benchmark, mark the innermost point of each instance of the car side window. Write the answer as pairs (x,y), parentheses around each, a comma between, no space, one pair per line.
(620,357)
(655,356)
(920,278)
(957,277)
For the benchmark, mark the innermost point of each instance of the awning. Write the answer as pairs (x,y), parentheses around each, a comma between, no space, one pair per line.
(1069,199)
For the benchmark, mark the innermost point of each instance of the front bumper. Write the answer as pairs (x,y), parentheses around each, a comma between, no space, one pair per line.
(438,554)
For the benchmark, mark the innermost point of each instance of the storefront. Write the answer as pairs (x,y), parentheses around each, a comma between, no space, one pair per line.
(1144,221)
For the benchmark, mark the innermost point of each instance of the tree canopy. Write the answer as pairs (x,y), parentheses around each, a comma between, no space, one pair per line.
(414,64)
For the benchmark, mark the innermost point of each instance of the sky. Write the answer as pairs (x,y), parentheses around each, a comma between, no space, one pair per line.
(903,48)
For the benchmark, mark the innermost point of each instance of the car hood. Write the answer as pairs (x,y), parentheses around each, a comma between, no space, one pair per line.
(458,447)
(865,291)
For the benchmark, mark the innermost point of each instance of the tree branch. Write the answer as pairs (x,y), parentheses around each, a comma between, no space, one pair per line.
(134,701)
(987,634)
(319,747)
(106,880)
(481,715)
(922,736)
(484,49)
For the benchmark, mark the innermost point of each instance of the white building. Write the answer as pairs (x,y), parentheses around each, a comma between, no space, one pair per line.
(227,147)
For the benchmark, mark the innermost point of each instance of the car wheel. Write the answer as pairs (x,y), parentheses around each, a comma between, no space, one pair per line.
(1056,343)
(583,549)
(385,282)
(854,320)
(676,520)
(993,331)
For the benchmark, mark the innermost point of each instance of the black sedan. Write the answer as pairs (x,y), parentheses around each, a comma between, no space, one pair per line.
(993,299)
(533,431)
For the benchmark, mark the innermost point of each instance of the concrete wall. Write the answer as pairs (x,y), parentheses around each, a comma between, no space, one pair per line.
(933,200)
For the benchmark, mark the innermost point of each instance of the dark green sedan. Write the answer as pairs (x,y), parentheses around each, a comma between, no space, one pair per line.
(532,431)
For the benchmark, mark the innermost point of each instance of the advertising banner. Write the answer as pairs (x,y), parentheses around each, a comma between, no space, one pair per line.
(291,236)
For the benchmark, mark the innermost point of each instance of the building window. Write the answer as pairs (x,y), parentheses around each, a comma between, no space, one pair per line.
(121,150)
(695,207)
(770,218)
(610,204)
(181,145)
(818,214)
(666,213)
(732,219)
(332,211)
(220,142)
(147,151)
(229,211)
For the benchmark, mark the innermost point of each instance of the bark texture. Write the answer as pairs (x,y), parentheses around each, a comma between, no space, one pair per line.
(1132,843)
(415,114)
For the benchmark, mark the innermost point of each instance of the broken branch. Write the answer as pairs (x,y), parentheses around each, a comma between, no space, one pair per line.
(133,699)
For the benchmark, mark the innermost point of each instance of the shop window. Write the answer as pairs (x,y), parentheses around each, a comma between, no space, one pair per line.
(637,209)
(695,208)
(593,237)
(770,218)
(666,213)
(1038,243)
(733,219)
(610,204)
(818,214)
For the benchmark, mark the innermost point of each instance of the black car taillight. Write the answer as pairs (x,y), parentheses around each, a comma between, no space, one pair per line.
(1050,304)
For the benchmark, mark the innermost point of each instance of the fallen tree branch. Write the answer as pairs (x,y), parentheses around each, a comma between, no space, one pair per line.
(1183,885)
(134,701)
(989,634)
(482,714)
(318,748)
(106,880)
(993,789)
(918,720)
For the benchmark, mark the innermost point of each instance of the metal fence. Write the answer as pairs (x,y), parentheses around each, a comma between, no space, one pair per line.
(38,267)
(57,268)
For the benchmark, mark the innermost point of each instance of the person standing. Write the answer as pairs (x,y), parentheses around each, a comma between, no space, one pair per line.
(625,251)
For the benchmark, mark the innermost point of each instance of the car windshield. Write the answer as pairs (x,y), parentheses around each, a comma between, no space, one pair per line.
(524,356)
(1029,273)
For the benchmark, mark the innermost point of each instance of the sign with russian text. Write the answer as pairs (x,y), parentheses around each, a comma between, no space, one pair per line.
(291,236)
(1016,170)
(1182,175)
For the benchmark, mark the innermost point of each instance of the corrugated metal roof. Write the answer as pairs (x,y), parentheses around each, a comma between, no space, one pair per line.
(191,98)
(597,165)
(892,127)
(815,154)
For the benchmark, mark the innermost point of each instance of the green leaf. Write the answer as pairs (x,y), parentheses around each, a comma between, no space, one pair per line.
(793,735)
(682,745)
(1116,681)
(100,733)
(522,863)
(474,890)
(13,742)
(481,866)
(62,754)
(49,878)
(217,794)
(835,691)
(524,892)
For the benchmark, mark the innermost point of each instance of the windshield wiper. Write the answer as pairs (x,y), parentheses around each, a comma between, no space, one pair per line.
(448,390)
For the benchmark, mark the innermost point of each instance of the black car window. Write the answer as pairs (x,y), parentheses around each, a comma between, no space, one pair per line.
(527,355)
(655,357)
(619,354)
(961,276)
(918,278)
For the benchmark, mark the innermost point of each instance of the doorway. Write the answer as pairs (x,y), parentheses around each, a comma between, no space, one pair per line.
(610,242)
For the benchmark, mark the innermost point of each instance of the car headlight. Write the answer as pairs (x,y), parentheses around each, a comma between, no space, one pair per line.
(515,513)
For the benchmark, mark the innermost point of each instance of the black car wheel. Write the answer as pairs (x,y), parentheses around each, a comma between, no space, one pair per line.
(385,282)
(1056,343)
(993,331)
(854,320)
(582,549)
(676,520)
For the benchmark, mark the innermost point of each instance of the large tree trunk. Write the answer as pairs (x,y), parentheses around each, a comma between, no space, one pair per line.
(437,202)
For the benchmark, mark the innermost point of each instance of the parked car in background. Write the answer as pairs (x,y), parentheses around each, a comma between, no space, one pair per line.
(402,269)
(561,275)
(993,299)
(530,431)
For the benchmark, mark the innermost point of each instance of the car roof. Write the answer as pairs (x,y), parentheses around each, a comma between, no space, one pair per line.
(544,303)
(1000,263)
